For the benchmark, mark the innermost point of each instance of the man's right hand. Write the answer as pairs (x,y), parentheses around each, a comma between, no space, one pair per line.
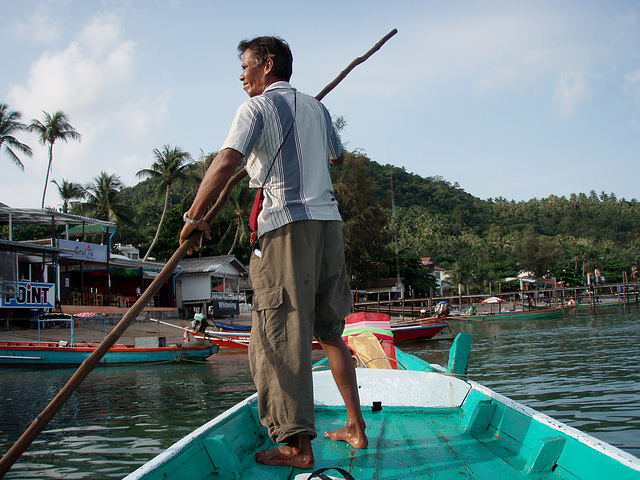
(214,181)
(189,228)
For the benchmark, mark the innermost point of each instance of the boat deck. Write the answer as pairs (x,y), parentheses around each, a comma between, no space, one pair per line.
(417,443)
(430,426)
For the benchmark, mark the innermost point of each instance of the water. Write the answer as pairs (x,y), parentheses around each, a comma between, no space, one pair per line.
(581,369)
(119,418)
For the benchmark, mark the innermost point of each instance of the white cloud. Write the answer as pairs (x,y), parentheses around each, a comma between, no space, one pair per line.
(570,91)
(90,80)
(142,116)
(91,72)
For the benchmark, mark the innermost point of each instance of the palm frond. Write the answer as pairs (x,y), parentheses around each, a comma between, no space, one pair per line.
(10,124)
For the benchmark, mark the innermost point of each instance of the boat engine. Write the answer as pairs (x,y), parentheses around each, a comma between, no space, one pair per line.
(442,308)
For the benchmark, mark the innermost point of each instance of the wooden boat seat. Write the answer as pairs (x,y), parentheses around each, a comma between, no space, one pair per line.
(416,389)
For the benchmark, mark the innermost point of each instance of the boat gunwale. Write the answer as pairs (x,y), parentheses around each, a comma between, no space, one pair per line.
(405,328)
(584,438)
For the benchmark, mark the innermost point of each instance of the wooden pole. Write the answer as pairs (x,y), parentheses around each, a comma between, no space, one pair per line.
(354,64)
(41,421)
(204,334)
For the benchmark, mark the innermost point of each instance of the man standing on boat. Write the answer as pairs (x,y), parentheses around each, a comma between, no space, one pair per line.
(286,142)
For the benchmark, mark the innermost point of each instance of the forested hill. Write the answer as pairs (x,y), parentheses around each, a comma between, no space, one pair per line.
(480,241)
(597,215)
(483,241)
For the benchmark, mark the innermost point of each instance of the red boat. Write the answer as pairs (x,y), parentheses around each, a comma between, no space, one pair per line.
(232,339)
(421,330)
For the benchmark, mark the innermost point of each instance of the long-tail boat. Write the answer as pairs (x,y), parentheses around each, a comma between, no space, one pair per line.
(423,422)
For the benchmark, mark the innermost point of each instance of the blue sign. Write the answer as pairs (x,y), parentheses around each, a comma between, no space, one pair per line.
(28,295)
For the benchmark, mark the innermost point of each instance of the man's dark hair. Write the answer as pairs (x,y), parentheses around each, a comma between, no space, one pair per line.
(274,48)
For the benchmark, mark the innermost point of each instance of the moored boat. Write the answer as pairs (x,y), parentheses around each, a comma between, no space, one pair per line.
(533,314)
(606,300)
(63,353)
(225,339)
(232,327)
(237,340)
(422,330)
(423,422)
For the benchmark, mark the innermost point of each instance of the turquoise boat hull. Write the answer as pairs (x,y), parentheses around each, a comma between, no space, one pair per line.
(431,425)
(54,354)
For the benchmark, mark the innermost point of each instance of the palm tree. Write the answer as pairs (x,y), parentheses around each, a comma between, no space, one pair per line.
(237,213)
(102,199)
(68,191)
(55,127)
(170,165)
(10,124)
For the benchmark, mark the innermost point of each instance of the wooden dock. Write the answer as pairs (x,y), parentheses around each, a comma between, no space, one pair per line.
(593,296)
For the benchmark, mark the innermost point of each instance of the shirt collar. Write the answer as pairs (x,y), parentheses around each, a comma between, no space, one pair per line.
(280,84)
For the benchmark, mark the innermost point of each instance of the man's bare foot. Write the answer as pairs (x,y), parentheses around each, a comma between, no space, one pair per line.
(297,452)
(350,434)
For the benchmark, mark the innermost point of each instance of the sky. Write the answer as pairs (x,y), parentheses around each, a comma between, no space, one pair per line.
(511,99)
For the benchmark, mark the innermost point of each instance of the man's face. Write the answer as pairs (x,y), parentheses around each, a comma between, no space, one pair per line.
(253,76)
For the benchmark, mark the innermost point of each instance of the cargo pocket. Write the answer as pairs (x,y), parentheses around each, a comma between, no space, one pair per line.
(273,319)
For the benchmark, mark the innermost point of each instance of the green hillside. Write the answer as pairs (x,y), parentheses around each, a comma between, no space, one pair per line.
(479,241)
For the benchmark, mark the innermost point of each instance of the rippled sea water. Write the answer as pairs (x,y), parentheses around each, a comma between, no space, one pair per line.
(581,369)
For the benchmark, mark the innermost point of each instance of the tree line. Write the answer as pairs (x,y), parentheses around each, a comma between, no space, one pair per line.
(392,218)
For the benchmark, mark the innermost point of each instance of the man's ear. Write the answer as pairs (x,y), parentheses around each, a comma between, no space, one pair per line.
(268,66)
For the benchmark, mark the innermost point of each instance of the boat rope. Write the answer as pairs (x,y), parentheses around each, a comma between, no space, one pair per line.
(320,367)
(194,361)
(382,358)
(177,353)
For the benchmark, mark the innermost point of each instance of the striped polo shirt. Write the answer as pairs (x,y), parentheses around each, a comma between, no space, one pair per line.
(298,186)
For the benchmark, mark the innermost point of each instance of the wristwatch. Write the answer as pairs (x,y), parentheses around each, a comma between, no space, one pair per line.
(189,220)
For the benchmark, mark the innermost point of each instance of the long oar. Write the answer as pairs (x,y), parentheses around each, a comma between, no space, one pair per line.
(204,334)
(41,421)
